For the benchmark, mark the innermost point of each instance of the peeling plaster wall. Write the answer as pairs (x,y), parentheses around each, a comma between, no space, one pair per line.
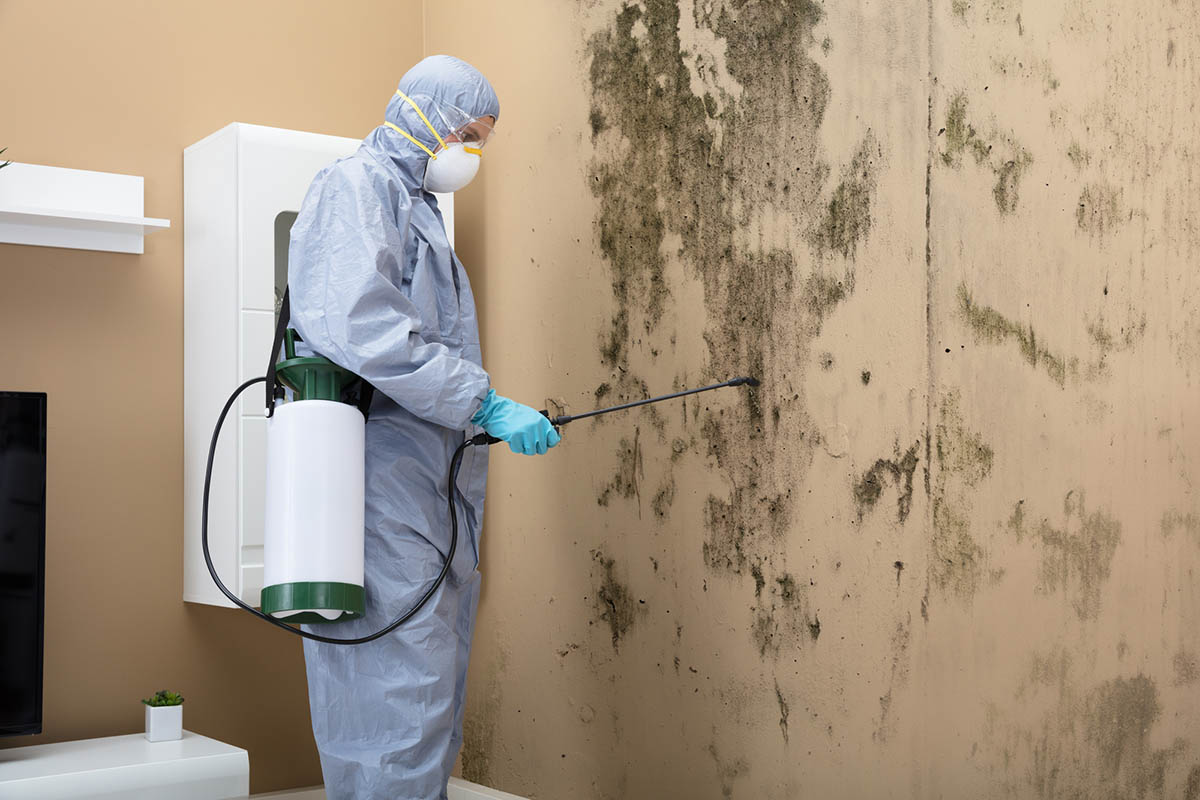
(947,548)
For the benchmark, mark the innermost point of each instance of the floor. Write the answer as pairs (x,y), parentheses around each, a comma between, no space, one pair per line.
(459,790)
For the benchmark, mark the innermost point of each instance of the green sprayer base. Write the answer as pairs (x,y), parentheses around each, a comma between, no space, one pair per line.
(304,596)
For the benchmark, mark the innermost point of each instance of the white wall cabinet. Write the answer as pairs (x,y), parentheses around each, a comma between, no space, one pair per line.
(242,188)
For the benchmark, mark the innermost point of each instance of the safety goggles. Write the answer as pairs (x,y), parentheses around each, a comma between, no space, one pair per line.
(473,132)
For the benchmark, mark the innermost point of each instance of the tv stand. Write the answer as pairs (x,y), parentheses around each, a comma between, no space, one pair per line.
(192,768)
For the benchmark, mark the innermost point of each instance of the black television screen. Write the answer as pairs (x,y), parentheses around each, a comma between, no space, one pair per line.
(22,559)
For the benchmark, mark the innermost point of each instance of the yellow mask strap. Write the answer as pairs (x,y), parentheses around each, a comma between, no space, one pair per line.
(424,119)
(410,137)
(475,151)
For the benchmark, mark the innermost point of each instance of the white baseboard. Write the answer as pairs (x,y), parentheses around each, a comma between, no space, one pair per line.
(458,790)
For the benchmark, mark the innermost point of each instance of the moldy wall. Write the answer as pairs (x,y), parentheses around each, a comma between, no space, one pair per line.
(947,548)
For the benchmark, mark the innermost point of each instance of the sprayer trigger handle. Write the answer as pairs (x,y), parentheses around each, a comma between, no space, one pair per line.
(484,439)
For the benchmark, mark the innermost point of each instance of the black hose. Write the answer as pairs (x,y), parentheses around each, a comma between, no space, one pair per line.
(452,478)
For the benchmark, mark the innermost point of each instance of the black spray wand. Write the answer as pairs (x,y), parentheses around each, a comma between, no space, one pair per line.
(559,421)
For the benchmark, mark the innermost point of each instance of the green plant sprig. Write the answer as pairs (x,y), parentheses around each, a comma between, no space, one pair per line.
(6,163)
(165,698)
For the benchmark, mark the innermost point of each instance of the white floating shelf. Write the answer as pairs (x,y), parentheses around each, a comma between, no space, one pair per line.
(73,208)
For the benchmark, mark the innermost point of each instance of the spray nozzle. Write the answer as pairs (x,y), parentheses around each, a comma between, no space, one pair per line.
(744,382)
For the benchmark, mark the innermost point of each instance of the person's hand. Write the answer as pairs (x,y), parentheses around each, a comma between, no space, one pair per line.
(526,430)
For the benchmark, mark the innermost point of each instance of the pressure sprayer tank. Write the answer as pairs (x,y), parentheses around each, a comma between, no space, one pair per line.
(313,543)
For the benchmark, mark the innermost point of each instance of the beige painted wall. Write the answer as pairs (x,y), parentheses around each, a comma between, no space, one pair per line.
(124,87)
(948,549)
(739,597)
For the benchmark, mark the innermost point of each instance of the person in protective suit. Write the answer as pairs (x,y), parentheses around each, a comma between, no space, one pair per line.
(377,289)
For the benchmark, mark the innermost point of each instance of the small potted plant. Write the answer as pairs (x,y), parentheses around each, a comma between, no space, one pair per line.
(164,716)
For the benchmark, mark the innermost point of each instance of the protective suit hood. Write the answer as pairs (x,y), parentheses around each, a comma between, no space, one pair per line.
(436,84)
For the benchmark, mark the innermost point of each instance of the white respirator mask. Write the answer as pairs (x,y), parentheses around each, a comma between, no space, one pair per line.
(452,167)
(455,162)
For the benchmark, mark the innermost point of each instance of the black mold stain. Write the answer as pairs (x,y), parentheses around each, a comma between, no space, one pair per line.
(1079,157)
(661,504)
(1191,790)
(627,481)
(727,772)
(963,460)
(614,602)
(1126,337)
(866,376)
(783,712)
(782,618)
(1098,212)
(1187,668)
(479,728)
(700,167)
(1077,557)
(898,678)
(1007,159)
(759,581)
(1189,523)
(596,121)
(869,488)
(989,325)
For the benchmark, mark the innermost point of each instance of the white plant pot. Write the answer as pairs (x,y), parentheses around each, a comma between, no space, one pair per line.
(164,723)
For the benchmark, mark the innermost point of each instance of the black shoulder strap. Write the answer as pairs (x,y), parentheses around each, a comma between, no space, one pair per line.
(274,389)
(363,391)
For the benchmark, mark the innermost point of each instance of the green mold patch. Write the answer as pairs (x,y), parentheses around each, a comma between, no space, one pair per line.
(1001,154)
(899,471)
(1077,555)
(847,217)
(614,603)
(989,325)
(1120,714)
(823,293)
(1094,744)
(962,461)
(1008,181)
(1098,212)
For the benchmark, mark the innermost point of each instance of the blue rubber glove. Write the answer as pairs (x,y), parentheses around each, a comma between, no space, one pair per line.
(526,430)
